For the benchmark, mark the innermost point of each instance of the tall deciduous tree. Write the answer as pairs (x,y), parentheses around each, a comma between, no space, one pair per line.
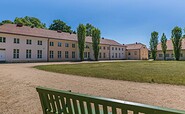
(153,44)
(30,21)
(96,42)
(60,25)
(6,22)
(81,33)
(163,45)
(89,29)
(176,40)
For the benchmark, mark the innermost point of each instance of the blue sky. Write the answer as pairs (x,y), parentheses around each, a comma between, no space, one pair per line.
(126,21)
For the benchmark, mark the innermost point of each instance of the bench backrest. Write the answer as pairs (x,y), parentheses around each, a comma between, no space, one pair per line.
(64,102)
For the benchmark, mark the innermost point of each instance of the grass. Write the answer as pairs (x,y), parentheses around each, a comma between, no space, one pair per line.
(167,72)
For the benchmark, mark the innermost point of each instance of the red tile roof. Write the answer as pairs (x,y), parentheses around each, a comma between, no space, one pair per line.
(43,33)
(135,46)
(170,45)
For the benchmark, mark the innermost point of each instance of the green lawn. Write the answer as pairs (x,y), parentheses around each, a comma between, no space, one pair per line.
(169,72)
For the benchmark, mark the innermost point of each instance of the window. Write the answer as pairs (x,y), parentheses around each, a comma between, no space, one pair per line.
(167,55)
(66,54)
(122,49)
(108,48)
(104,55)
(100,55)
(28,54)
(51,43)
(85,54)
(116,48)
(181,55)
(129,53)
(66,45)
(112,48)
(15,53)
(2,40)
(104,48)
(160,55)
(172,55)
(16,40)
(51,54)
(28,41)
(112,55)
(116,55)
(59,54)
(73,45)
(86,46)
(39,42)
(59,44)
(39,54)
(135,52)
(119,55)
(88,54)
(119,49)
(73,54)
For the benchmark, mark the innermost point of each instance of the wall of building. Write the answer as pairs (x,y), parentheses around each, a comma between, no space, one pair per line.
(119,51)
(144,53)
(133,54)
(169,55)
(55,48)
(9,46)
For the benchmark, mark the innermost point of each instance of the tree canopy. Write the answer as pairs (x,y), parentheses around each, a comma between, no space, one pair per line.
(153,44)
(177,41)
(163,45)
(96,42)
(89,29)
(81,33)
(6,22)
(60,25)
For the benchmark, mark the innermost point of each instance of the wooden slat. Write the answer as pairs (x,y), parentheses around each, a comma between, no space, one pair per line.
(47,101)
(52,102)
(97,108)
(82,107)
(75,106)
(105,109)
(124,111)
(63,104)
(69,106)
(114,110)
(89,108)
(59,109)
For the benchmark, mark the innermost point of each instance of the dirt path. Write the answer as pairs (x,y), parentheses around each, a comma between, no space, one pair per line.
(18,94)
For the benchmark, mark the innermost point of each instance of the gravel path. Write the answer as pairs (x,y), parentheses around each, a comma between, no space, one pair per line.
(18,94)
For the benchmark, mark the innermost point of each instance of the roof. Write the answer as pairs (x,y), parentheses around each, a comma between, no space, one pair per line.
(134,46)
(44,33)
(170,45)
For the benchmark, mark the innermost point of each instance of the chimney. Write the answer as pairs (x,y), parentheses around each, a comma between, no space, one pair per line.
(123,44)
(59,31)
(19,25)
(32,26)
(136,42)
(103,38)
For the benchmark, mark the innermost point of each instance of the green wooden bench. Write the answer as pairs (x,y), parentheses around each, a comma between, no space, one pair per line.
(65,102)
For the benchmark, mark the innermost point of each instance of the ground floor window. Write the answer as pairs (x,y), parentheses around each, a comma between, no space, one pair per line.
(15,53)
(181,55)
(167,55)
(51,54)
(160,55)
(2,39)
(66,54)
(99,55)
(73,54)
(104,55)
(59,54)
(112,55)
(39,54)
(116,55)
(119,55)
(28,54)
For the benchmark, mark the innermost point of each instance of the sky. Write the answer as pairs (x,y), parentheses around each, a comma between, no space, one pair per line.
(126,21)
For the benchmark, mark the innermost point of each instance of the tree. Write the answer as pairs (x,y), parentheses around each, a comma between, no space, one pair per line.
(6,22)
(153,44)
(95,42)
(176,40)
(81,33)
(30,21)
(89,29)
(163,45)
(60,25)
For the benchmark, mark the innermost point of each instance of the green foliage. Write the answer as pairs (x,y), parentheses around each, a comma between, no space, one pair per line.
(30,21)
(6,22)
(163,45)
(176,40)
(96,42)
(153,44)
(81,33)
(60,25)
(89,29)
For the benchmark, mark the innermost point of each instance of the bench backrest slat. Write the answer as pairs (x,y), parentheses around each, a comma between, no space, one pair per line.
(64,102)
